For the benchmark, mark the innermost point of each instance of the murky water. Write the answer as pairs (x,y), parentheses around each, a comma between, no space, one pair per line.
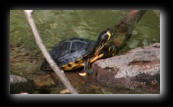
(57,25)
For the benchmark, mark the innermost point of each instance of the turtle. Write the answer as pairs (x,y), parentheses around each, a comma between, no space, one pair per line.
(74,53)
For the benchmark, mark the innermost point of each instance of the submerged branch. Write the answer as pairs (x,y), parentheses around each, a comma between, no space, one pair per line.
(123,30)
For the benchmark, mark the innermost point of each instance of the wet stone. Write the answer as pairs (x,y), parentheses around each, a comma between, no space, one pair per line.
(17,79)
(138,68)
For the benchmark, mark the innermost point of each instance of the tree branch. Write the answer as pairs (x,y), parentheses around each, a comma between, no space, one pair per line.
(40,44)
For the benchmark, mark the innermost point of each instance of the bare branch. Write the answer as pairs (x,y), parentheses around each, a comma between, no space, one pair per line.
(53,65)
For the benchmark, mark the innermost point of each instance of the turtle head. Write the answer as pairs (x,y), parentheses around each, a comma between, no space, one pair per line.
(103,38)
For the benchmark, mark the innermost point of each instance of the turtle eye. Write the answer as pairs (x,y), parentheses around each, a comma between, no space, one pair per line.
(104,36)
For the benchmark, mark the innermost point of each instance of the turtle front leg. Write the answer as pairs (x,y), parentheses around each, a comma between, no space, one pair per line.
(87,68)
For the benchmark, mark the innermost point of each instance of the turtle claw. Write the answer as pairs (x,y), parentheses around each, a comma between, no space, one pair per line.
(89,72)
(83,74)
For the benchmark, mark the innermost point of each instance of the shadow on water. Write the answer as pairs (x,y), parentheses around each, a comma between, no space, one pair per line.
(54,26)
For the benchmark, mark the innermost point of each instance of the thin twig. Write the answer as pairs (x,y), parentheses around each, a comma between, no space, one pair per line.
(53,65)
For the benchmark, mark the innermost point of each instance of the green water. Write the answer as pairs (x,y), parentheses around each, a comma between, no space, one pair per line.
(57,25)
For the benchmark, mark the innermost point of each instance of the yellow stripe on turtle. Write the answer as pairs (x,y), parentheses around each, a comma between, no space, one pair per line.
(79,63)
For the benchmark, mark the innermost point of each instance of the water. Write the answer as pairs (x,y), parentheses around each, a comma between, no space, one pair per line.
(57,25)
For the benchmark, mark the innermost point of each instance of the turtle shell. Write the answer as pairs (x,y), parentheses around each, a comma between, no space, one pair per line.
(70,53)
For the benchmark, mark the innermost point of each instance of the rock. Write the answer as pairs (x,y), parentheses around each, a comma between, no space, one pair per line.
(138,68)
(43,80)
(17,79)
